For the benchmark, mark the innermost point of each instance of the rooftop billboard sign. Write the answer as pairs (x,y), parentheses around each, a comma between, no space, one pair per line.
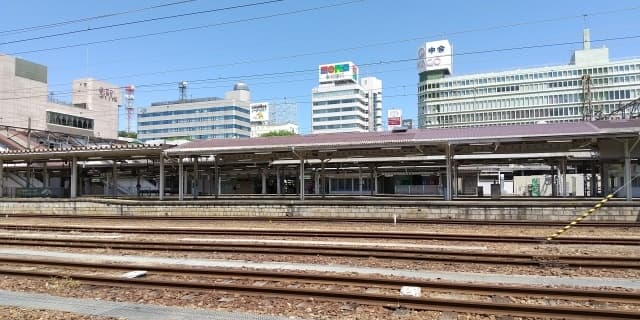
(338,71)
(435,55)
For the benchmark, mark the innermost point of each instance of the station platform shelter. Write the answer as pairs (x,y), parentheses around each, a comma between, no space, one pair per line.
(576,159)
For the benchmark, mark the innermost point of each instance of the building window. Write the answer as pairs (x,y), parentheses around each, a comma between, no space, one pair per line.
(69,120)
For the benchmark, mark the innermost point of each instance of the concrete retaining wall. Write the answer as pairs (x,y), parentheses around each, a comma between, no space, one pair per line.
(481,210)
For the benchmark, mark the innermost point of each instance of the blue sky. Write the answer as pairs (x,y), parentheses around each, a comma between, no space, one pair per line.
(276,47)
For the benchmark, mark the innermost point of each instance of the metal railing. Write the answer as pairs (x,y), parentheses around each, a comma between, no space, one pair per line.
(423,189)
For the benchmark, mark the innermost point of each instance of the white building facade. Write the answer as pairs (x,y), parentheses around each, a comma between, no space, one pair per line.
(264,120)
(198,119)
(341,103)
(25,102)
(525,96)
(373,92)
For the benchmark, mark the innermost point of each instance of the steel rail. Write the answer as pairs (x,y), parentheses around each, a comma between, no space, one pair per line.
(625,262)
(331,234)
(329,219)
(282,275)
(391,301)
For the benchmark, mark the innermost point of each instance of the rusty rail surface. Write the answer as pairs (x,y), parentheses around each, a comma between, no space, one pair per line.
(625,262)
(400,220)
(328,234)
(360,280)
(391,301)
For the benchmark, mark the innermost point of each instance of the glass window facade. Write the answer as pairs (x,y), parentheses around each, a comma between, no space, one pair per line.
(526,96)
(195,121)
(66,120)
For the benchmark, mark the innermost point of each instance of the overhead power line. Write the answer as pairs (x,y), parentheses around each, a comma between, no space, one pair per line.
(141,21)
(85,19)
(384,62)
(364,46)
(190,28)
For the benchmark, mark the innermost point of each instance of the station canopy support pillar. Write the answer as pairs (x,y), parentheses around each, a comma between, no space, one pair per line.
(323,179)
(627,172)
(180,179)
(448,184)
(114,175)
(278,182)
(1,179)
(74,178)
(216,177)
(195,183)
(161,182)
(554,179)
(373,186)
(301,179)
(563,169)
(359,180)
(455,179)
(263,174)
(316,181)
(593,181)
(45,175)
(604,178)
(28,175)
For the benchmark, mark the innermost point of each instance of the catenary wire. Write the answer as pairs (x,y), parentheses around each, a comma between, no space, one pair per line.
(384,62)
(254,4)
(85,19)
(370,45)
(264,17)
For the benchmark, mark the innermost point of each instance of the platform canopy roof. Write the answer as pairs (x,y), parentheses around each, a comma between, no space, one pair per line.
(107,152)
(511,139)
(478,142)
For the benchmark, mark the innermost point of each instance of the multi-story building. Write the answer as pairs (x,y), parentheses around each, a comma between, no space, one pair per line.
(203,118)
(265,119)
(373,92)
(536,95)
(25,102)
(342,104)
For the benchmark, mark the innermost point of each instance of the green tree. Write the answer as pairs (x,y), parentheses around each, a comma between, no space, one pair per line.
(125,134)
(278,133)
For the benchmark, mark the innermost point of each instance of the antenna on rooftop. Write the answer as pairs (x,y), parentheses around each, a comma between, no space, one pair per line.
(182,86)
(130,108)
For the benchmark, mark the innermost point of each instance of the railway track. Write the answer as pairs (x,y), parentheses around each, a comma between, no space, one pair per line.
(391,301)
(625,262)
(351,280)
(330,219)
(327,234)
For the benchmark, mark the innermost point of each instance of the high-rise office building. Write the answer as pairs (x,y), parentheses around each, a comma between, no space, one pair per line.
(341,103)
(202,118)
(588,87)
